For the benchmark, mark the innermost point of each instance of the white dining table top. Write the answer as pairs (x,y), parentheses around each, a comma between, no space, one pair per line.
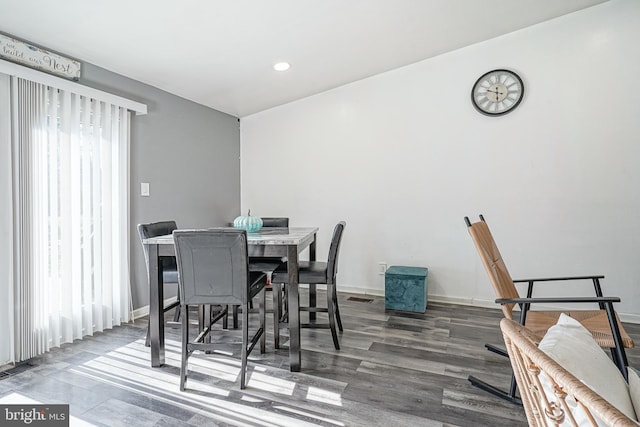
(265,236)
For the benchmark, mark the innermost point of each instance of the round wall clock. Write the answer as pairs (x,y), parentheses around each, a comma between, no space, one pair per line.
(497,92)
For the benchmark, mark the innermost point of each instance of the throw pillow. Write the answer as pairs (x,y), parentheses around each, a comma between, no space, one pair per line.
(572,346)
(634,388)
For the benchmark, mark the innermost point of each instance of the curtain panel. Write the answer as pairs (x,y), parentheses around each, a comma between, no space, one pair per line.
(70,163)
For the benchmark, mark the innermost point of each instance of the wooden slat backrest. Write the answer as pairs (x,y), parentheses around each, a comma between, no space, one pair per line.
(496,269)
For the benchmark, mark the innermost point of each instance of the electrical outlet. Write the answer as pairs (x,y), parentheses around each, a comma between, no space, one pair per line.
(382,268)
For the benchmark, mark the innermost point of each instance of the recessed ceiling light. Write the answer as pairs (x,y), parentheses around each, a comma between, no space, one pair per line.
(281,66)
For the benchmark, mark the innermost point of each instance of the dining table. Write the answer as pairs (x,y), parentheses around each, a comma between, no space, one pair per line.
(268,242)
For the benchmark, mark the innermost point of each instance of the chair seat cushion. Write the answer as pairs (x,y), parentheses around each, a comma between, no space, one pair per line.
(170,276)
(311,272)
(257,281)
(266,264)
(595,321)
(169,269)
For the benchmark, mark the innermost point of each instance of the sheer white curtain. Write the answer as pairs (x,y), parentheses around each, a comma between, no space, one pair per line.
(70,217)
(6,224)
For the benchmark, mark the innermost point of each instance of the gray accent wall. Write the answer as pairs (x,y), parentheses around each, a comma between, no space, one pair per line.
(188,153)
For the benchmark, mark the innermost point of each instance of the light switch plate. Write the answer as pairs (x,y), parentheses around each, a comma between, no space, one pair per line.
(144,189)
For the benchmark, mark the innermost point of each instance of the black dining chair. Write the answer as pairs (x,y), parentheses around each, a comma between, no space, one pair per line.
(318,273)
(167,263)
(214,270)
(268,265)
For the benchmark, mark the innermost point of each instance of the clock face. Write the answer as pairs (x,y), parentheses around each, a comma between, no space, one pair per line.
(497,92)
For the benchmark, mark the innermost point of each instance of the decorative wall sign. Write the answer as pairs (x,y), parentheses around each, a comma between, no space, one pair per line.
(38,58)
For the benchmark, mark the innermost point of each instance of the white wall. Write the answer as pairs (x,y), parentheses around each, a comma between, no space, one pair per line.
(403,157)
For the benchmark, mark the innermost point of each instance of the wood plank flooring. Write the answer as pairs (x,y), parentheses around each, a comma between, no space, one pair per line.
(394,369)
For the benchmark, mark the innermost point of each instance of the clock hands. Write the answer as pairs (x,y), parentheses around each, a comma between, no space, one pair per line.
(495,91)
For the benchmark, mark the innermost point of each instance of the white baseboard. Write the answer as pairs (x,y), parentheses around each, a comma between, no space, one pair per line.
(625,317)
(361,291)
(463,301)
(144,311)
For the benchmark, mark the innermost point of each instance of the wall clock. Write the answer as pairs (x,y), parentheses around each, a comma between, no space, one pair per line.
(497,92)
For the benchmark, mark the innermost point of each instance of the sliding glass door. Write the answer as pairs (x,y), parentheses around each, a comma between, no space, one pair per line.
(70,159)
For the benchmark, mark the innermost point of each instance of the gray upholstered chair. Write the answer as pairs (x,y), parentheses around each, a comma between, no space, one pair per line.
(214,270)
(167,263)
(318,273)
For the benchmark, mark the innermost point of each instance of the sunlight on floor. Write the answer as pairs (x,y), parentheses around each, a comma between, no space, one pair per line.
(299,412)
(272,385)
(325,396)
(212,386)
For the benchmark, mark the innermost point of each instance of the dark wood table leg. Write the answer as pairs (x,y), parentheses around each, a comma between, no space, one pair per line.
(312,287)
(156,305)
(294,312)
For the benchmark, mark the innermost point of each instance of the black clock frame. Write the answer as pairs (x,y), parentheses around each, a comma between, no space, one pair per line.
(501,113)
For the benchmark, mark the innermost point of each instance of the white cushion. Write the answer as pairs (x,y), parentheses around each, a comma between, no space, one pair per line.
(572,346)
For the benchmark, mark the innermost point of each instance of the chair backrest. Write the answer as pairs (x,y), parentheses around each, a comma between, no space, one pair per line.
(334,251)
(533,368)
(156,229)
(275,222)
(212,266)
(493,263)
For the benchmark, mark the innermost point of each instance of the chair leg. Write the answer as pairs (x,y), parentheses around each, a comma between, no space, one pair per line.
(285,302)
(312,302)
(331,314)
(235,316)
(510,395)
(245,342)
(277,307)
(147,339)
(176,318)
(336,308)
(185,343)
(619,355)
(263,320)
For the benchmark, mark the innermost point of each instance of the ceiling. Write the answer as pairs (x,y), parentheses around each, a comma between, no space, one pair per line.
(221,53)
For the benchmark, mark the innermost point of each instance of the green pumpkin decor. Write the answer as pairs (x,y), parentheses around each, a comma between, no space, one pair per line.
(248,222)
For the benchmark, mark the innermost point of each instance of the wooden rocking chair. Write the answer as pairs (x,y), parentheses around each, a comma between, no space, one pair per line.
(603,322)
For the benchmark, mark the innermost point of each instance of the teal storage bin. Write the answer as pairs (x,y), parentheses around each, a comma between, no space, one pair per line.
(405,288)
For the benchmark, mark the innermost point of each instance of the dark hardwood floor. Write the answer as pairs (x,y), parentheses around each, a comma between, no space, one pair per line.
(394,369)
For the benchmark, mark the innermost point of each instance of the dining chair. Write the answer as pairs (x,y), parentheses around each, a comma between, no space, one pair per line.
(603,323)
(318,273)
(213,269)
(268,265)
(167,263)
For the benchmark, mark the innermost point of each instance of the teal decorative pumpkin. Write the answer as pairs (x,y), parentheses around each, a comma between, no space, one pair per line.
(248,222)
